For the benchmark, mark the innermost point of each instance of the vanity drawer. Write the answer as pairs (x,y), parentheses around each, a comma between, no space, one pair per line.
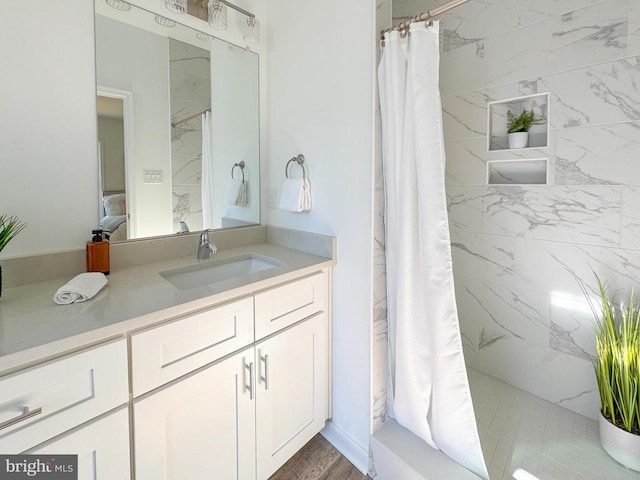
(44,401)
(169,351)
(285,305)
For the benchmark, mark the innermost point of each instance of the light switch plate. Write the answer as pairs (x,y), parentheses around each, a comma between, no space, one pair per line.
(152,176)
(273,198)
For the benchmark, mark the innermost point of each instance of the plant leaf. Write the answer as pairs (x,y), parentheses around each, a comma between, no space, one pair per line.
(10,226)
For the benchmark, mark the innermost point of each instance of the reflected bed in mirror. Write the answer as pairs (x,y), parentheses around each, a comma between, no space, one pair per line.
(188,114)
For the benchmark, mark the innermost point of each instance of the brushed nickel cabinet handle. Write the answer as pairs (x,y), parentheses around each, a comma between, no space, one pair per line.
(265,378)
(250,386)
(25,415)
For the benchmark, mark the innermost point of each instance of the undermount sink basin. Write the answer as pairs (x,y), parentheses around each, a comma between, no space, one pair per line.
(213,271)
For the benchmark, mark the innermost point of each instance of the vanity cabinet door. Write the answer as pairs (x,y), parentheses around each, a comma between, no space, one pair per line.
(102,448)
(291,391)
(201,427)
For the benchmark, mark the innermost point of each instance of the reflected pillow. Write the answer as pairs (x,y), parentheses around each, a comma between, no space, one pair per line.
(115,204)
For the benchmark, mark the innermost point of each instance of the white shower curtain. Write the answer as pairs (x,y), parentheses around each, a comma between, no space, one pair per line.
(207,174)
(429,390)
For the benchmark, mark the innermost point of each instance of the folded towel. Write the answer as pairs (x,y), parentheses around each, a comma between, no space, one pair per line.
(295,195)
(80,288)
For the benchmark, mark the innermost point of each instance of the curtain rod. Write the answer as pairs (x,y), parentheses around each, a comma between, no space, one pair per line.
(424,17)
(175,124)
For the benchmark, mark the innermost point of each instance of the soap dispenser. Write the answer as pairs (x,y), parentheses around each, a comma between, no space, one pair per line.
(98,253)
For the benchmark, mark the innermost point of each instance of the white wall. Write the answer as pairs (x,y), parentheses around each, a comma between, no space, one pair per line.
(120,48)
(320,104)
(48,126)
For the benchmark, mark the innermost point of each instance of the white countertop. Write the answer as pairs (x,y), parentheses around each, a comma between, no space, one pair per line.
(33,328)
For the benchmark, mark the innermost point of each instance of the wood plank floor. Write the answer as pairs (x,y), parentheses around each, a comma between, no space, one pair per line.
(318,460)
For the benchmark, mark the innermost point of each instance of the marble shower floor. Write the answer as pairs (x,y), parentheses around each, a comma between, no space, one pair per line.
(519,430)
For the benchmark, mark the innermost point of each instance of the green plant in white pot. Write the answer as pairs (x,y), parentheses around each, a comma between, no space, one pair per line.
(10,226)
(617,369)
(518,127)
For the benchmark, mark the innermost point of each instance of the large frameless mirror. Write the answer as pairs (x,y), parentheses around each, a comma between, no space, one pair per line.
(178,127)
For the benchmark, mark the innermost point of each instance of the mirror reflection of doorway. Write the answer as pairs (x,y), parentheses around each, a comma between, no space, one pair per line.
(113,214)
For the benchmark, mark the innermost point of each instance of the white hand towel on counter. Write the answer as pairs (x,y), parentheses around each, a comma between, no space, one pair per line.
(295,195)
(80,288)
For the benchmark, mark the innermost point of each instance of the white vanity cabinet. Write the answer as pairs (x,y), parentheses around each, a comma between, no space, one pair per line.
(229,391)
(42,402)
(245,414)
(102,447)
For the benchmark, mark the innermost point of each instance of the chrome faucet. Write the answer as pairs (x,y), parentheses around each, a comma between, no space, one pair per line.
(184,228)
(206,246)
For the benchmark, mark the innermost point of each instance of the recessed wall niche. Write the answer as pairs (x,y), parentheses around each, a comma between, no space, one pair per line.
(529,171)
(497,138)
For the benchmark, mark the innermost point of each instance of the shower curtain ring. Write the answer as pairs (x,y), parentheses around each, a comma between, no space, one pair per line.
(429,22)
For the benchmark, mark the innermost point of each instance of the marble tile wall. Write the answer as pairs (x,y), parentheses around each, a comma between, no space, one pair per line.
(190,80)
(379,308)
(523,316)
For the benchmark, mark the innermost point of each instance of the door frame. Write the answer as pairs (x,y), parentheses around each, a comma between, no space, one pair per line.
(129,151)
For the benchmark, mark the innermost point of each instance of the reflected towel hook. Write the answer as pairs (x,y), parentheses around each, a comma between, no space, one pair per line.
(241,166)
(300,161)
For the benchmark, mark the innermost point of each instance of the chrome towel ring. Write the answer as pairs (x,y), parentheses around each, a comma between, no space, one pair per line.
(300,161)
(241,166)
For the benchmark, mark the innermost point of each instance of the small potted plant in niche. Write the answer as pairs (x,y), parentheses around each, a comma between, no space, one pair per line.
(518,127)
(617,369)
(10,226)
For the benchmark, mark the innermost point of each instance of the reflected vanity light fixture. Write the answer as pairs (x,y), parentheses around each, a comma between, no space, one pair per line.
(176,6)
(217,10)
(164,21)
(251,30)
(119,5)
(217,15)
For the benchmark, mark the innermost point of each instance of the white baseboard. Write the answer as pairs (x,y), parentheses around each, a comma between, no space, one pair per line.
(347,447)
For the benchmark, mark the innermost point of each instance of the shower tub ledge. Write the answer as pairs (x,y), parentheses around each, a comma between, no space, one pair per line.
(396,454)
